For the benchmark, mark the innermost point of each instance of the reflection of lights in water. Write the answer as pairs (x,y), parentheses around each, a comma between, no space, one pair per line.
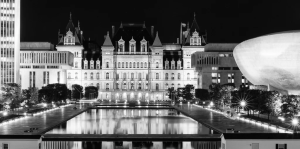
(5,113)
(139,112)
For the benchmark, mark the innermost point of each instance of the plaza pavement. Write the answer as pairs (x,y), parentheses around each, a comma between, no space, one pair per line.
(42,121)
(219,122)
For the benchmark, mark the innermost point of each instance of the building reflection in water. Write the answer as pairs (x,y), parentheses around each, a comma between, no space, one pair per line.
(130,121)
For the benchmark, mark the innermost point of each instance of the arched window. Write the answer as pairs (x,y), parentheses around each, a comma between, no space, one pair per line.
(140,86)
(130,65)
(178,76)
(76,64)
(98,65)
(132,86)
(173,76)
(119,65)
(98,86)
(107,76)
(121,47)
(76,75)
(92,76)
(167,76)
(157,86)
(122,64)
(143,48)
(107,64)
(124,75)
(157,76)
(107,86)
(178,84)
(140,76)
(157,65)
(137,64)
(85,75)
(132,48)
(145,64)
(141,64)
(69,75)
(126,64)
(167,86)
(98,75)
(188,76)
(124,85)
(132,76)
(133,64)
(172,84)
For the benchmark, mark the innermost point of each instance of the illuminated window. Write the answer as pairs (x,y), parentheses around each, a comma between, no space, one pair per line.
(132,48)
(107,64)
(107,76)
(173,76)
(107,86)
(69,75)
(130,65)
(230,77)
(216,78)
(157,65)
(188,76)
(76,75)
(157,86)
(98,75)
(157,76)
(85,75)
(167,77)
(178,76)
(214,68)
(76,64)
(92,76)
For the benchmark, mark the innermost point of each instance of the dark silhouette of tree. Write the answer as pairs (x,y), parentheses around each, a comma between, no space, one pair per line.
(202,94)
(91,92)
(11,95)
(53,92)
(77,91)
(188,92)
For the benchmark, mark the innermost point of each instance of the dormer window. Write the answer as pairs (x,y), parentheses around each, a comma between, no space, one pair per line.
(172,64)
(143,45)
(69,39)
(167,64)
(92,64)
(85,64)
(121,43)
(132,45)
(98,64)
(178,64)
(195,39)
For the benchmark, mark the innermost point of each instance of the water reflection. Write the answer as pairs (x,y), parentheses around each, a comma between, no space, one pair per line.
(130,145)
(130,121)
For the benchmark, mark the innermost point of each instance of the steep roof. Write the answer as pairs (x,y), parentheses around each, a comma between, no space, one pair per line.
(107,41)
(157,42)
(194,27)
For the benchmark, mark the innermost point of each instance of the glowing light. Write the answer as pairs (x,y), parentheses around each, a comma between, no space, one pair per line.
(295,121)
(243,103)
(211,104)
(45,105)
(5,113)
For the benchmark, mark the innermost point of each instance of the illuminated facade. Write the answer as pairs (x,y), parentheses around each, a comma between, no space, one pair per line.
(10,41)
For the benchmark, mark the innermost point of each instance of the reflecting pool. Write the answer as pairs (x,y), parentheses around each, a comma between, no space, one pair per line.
(130,121)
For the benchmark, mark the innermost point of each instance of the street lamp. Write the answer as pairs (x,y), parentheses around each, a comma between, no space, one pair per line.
(243,104)
(295,123)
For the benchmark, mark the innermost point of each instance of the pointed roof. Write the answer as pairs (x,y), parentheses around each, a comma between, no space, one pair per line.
(70,26)
(156,42)
(107,41)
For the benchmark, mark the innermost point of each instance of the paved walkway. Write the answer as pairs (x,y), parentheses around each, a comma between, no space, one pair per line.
(219,122)
(42,121)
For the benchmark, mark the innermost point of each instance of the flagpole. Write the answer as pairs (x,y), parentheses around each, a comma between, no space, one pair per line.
(180,32)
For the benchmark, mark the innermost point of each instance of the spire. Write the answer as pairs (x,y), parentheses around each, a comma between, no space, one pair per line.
(157,42)
(70,16)
(144,25)
(121,25)
(78,24)
(107,41)
(194,15)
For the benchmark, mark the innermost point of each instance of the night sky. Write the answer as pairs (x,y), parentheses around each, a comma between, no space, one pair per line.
(226,21)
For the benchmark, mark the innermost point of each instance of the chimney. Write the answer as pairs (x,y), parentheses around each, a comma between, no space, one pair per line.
(152,31)
(113,32)
(177,40)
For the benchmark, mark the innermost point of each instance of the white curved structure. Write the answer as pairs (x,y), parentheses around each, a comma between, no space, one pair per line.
(271,60)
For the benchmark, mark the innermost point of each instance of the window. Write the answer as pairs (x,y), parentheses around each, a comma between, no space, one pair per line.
(172,84)
(132,48)
(85,65)
(76,64)
(107,76)
(126,64)
(167,77)
(173,76)
(157,76)
(58,76)
(178,85)
(137,64)
(97,75)
(140,86)
(130,65)
(140,76)
(157,65)
(122,64)
(167,86)
(132,76)
(281,146)
(178,76)
(132,86)
(172,65)
(133,64)
(188,65)
(98,86)
(107,64)
(124,85)
(145,65)
(167,65)
(117,86)
(231,78)
(69,76)
(92,76)
(107,86)
(141,64)
(157,86)
(188,76)
(178,65)
(214,68)
(215,77)
(85,76)
(5,146)
(124,76)
(121,47)
(92,64)
(76,75)
(119,65)
(143,48)
(98,66)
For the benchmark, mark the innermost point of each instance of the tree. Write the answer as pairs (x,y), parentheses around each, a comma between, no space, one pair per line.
(290,106)
(11,95)
(91,90)
(188,92)
(45,95)
(225,94)
(202,94)
(77,91)
(53,93)
(172,93)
